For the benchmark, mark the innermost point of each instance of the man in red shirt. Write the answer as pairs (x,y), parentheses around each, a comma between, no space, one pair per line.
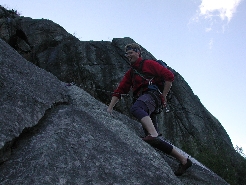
(149,91)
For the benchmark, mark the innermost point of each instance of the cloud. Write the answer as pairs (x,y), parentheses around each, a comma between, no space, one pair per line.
(208,29)
(224,9)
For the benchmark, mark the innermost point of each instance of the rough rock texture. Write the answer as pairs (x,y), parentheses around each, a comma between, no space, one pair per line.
(25,96)
(96,67)
(76,141)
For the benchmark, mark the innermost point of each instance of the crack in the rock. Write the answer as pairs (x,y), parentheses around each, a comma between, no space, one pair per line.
(6,150)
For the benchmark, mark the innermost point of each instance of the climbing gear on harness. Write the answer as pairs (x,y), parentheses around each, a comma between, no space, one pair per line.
(151,89)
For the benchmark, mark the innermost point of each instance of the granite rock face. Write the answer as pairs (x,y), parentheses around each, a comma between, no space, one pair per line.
(25,96)
(52,133)
(47,121)
(60,134)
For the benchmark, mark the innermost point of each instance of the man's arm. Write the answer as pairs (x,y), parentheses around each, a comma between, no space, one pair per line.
(113,102)
(166,89)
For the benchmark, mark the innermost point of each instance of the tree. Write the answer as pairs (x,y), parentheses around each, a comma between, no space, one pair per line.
(240,151)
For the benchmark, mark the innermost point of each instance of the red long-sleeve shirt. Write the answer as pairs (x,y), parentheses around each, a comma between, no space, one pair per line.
(138,83)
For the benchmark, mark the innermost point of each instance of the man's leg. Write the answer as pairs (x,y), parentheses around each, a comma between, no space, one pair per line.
(154,121)
(153,117)
(140,111)
(178,156)
(185,163)
(149,126)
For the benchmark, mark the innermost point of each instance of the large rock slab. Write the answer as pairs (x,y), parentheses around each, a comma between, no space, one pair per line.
(26,93)
(81,143)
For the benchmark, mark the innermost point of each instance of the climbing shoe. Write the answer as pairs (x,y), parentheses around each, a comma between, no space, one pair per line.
(182,168)
(149,138)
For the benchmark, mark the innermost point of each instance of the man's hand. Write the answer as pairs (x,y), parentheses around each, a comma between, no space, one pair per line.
(109,110)
(114,100)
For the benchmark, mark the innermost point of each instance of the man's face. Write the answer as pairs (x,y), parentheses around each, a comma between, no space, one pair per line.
(132,55)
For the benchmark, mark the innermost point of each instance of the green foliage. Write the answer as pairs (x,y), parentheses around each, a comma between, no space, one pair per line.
(11,11)
(220,157)
(229,165)
(240,151)
(15,12)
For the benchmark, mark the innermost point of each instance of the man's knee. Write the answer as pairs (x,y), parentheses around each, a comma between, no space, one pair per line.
(138,110)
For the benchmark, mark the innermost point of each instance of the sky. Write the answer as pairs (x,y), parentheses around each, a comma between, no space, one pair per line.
(203,40)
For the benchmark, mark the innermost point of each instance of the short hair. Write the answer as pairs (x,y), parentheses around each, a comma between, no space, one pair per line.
(133,46)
